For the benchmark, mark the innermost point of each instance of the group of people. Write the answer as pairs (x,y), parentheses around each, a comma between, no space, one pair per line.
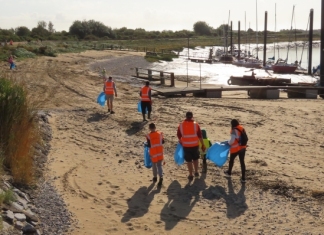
(192,138)
(195,143)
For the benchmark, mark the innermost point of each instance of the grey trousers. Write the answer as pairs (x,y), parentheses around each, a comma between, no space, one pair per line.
(157,168)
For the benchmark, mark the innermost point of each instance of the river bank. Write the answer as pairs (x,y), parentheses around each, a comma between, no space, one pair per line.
(96,159)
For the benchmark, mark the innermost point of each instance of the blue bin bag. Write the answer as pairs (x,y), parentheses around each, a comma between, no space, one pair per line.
(179,155)
(101,99)
(147,159)
(139,107)
(218,153)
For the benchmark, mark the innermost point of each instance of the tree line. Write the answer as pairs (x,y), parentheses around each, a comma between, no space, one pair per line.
(95,30)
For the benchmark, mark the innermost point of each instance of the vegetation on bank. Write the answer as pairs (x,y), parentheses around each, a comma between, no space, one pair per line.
(18,131)
(94,35)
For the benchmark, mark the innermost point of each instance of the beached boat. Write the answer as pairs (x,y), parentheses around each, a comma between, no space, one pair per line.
(251,80)
(281,66)
(248,63)
(226,58)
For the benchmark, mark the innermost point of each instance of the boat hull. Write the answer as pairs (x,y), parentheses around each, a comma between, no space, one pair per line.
(284,68)
(251,80)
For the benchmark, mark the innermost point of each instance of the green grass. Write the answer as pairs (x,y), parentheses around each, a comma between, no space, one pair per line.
(163,46)
(7,197)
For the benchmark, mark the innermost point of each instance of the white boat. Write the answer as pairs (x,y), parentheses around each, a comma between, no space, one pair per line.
(248,63)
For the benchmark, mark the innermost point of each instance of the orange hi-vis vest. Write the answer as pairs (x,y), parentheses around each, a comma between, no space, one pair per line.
(189,136)
(145,93)
(109,88)
(156,149)
(235,147)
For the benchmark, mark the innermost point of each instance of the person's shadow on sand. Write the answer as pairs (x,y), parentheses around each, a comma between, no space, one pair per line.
(235,202)
(180,201)
(139,203)
(135,128)
(97,116)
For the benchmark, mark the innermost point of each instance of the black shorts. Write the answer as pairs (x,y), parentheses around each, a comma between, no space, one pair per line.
(191,153)
(146,105)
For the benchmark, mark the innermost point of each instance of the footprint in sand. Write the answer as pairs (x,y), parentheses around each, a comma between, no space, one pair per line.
(115,187)
(119,212)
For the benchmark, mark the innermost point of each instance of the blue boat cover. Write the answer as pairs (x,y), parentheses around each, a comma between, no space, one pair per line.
(139,107)
(218,153)
(101,98)
(147,159)
(179,155)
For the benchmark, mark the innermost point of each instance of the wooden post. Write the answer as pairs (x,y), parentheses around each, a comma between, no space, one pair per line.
(172,79)
(310,41)
(231,38)
(322,49)
(136,72)
(162,78)
(265,38)
(149,73)
(239,40)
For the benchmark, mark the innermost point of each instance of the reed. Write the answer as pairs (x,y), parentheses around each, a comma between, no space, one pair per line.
(18,130)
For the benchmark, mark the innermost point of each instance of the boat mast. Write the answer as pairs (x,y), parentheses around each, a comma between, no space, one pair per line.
(229,15)
(249,40)
(274,47)
(245,35)
(295,36)
(292,17)
(257,38)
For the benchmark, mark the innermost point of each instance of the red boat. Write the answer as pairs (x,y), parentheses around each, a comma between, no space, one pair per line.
(281,66)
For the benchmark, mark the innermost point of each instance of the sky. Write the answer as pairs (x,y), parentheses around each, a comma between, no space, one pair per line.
(159,14)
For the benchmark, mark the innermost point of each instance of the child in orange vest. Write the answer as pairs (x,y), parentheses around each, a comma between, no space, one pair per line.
(155,141)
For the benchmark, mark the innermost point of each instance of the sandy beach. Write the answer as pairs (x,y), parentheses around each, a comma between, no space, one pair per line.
(96,158)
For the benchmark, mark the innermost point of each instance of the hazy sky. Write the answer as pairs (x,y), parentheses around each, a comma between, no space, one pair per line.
(157,14)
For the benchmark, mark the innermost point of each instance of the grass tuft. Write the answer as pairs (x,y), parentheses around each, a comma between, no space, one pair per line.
(18,131)
(6,197)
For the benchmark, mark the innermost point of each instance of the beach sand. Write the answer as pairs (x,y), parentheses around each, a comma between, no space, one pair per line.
(96,159)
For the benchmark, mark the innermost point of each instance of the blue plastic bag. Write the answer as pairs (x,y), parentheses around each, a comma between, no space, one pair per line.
(147,159)
(101,98)
(139,107)
(218,153)
(179,155)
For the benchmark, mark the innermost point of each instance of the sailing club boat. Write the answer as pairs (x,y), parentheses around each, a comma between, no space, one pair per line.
(281,66)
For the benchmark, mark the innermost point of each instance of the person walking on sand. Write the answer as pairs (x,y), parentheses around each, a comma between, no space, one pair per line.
(155,141)
(146,100)
(110,91)
(189,135)
(236,149)
(11,62)
(208,144)
(103,75)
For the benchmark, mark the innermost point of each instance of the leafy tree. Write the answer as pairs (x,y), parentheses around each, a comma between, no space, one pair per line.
(22,31)
(39,32)
(202,28)
(51,27)
(221,29)
(42,24)
(91,27)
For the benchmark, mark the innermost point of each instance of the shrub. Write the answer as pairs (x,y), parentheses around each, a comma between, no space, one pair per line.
(18,132)
(23,53)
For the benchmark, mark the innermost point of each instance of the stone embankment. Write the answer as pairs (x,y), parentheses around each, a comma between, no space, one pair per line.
(40,210)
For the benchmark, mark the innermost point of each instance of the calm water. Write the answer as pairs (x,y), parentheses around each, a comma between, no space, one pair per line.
(220,73)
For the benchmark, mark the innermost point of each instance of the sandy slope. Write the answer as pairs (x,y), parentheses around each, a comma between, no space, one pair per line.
(97,158)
